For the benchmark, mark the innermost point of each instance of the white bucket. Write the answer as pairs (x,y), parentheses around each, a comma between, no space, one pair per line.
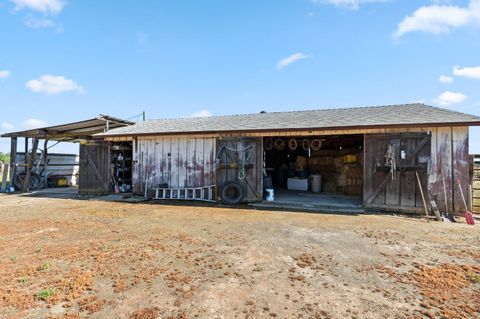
(316,183)
(270,195)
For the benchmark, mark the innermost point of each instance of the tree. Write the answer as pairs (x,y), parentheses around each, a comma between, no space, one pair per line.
(4,157)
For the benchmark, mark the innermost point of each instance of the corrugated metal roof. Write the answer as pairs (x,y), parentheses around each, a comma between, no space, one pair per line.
(342,118)
(73,131)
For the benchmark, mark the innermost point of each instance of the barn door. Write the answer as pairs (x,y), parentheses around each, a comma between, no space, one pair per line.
(240,159)
(392,162)
(94,168)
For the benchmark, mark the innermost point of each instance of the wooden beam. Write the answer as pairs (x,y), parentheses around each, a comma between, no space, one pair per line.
(30,159)
(13,157)
(45,162)
(26,150)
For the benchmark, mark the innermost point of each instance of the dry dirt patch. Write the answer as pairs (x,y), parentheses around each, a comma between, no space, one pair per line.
(88,259)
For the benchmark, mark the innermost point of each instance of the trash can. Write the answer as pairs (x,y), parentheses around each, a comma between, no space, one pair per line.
(316,183)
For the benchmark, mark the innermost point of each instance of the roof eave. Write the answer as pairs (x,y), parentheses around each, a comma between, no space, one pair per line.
(357,127)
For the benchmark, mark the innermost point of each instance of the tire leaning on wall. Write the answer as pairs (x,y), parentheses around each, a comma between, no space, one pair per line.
(232,193)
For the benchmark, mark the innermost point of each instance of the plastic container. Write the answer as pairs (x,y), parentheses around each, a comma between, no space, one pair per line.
(316,183)
(297,184)
(270,195)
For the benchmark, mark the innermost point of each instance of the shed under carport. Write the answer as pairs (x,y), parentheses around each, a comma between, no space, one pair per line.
(75,132)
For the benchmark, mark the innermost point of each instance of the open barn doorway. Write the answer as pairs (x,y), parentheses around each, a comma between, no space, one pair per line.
(121,164)
(314,171)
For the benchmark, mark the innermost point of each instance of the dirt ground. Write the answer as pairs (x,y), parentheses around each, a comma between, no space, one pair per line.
(64,258)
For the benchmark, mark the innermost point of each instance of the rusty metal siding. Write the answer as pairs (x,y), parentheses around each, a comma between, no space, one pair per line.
(176,161)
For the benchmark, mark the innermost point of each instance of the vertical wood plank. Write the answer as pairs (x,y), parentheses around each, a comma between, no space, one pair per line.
(13,157)
(379,147)
(182,162)
(392,196)
(408,182)
(423,153)
(199,163)
(190,162)
(444,148)
(460,168)
(368,166)
(209,151)
(167,155)
(174,162)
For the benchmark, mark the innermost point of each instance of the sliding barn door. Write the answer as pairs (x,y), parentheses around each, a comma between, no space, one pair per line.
(241,159)
(397,187)
(94,168)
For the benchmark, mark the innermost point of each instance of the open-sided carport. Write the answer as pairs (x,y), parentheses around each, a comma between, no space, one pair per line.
(75,132)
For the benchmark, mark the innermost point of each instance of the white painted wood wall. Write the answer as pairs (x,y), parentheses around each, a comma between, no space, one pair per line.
(177,161)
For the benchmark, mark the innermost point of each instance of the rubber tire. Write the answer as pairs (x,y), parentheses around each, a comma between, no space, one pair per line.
(19,179)
(229,186)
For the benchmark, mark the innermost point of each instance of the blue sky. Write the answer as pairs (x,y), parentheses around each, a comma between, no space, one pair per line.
(68,60)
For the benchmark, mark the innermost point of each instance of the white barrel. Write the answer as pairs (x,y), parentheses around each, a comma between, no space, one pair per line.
(270,195)
(316,183)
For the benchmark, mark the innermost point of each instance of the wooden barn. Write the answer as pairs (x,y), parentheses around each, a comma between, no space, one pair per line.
(379,157)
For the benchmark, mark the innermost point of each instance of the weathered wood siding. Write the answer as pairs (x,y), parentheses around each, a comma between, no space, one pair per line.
(403,190)
(449,160)
(227,170)
(94,171)
(176,161)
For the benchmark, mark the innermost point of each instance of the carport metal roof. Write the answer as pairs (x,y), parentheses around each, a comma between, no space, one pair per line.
(74,131)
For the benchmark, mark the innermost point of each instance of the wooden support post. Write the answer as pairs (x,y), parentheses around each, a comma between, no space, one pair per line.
(26,149)
(13,158)
(45,162)
(29,163)
(4,178)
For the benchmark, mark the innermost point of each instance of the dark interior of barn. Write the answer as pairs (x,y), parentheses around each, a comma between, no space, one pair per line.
(121,167)
(314,165)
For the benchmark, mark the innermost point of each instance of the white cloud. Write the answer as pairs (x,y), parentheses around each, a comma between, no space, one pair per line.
(7,126)
(448,98)
(445,79)
(349,4)
(439,19)
(4,74)
(39,23)
(54,84)
(202,113)
(472,73)
(291,59)
(35,23)
(43,6)
(30,124)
